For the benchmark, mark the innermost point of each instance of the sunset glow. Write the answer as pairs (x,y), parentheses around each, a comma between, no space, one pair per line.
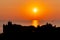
(35,23)
(35,10)
(25,11)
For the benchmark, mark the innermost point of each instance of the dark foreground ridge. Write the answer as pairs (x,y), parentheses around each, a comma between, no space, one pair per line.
(14,29)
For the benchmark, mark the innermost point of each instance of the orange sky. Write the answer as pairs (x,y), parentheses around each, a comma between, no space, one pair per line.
(22,10)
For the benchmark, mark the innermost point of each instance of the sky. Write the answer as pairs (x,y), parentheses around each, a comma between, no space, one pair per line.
(21,11)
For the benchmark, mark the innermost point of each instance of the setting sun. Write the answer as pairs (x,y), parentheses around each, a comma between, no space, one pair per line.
(35,10)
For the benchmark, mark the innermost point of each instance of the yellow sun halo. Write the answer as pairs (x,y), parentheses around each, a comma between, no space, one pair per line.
(35,10)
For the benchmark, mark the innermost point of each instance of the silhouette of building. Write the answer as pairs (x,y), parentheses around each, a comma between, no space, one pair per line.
(7,27)
(14,28)
(9,23)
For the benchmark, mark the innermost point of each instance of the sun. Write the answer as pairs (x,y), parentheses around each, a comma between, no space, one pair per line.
(35,10)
